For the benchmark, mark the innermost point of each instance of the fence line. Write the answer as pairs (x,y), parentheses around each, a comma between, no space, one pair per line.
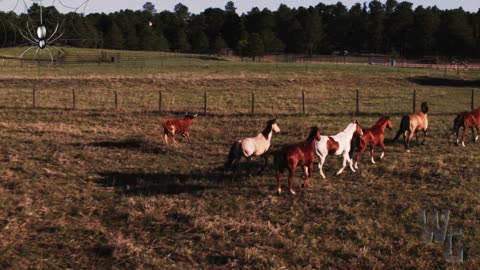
(364,102)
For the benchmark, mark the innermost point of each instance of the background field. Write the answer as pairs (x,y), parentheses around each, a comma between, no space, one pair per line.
(97,187)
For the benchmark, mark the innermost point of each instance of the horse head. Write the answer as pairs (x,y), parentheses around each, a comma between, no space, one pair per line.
(273,123)
(191,116)
(314,134)
(424,107)
(388,122)
(358,128)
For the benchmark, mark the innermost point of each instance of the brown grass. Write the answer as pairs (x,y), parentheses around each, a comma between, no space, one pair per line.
(99,189)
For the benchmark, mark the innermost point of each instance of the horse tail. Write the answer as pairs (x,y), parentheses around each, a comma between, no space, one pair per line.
(404,125)
(458,122)
(232,155)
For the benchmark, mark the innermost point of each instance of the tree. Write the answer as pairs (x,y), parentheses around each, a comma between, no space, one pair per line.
(254,46)
(455,34)
(113,37)
(148,7)
(312,29)
(425,25)
(376,18)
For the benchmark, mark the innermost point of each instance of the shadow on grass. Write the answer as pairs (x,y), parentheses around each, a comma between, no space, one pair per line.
(148,184)
(131,143)
(432,81)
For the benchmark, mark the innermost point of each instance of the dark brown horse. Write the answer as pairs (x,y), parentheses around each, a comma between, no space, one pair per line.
(291,156)
(412,123)
(372,137)
(467,120)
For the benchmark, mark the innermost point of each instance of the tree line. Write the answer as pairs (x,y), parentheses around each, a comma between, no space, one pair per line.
(393,28)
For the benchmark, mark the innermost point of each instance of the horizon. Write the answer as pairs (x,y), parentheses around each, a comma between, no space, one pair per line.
(194,7)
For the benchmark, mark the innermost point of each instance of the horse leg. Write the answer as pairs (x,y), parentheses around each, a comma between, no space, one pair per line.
(306,173)
(320,165)
(279,179)
(424,136)
(188,136)
(371,155)
(165,137)
(478,133)
(464,135)
(456,137)
(409,139)
(359,155)
(291,172)
(382,145)
(473,134)
(344,164)
(265,159)
(309,178)
(350,162)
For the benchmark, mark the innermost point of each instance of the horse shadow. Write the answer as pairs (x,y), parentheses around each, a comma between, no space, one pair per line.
(130,143)
(150,184)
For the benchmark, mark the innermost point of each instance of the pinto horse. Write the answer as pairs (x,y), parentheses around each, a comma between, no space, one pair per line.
(338,144)
(372,137)
(412,123)
(292,156)
(252,146)
(467,120)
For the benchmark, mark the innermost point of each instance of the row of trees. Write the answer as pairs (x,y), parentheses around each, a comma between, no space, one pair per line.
(387,28)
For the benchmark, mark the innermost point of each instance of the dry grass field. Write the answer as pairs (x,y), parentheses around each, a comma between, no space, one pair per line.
(96,188)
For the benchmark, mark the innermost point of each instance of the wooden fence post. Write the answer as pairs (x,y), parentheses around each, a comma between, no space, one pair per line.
(358,101)
(74,99)
(303,101)
(253,103)
(33,97)
(473,99)
(159,101)
(414,103)
(116,100)
(205,103)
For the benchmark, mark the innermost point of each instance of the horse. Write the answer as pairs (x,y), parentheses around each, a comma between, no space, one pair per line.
(252,146)
(291,156)
(467,120)
(372,137)
(412,123)
(178,126)
(338,144)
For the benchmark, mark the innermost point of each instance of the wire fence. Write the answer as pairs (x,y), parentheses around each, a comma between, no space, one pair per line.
(156,59)
(327,101)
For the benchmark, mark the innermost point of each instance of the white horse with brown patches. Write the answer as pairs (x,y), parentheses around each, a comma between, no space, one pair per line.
(338,144)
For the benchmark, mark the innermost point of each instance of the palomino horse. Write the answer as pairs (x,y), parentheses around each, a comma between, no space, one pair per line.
(467,120)
(338,144)
(412,123)
(372,137)
(252,146)
(292,156)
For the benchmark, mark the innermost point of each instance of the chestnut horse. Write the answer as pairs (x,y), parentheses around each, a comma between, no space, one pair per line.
(292,156)
(412,123)
(338,144)
(467,120)
(252,146)
(372,137)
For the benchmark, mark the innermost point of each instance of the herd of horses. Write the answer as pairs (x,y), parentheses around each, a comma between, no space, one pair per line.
(344,143)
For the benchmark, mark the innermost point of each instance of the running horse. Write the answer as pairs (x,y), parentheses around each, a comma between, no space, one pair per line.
(467,120)
(412,123)
(338,144)
(372,137)
(291,156)
(252,146)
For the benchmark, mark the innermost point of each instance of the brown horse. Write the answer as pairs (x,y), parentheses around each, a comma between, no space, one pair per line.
(301,154)
(412,123)
(467,120)
(372,137)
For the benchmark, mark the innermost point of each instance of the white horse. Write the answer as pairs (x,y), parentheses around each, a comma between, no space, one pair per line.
(339,145)
(252,146)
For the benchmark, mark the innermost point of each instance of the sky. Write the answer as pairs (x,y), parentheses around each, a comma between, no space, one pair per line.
(197,6)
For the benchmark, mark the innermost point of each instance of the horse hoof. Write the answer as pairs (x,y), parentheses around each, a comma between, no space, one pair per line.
(408,151)
(279,191)
(293,192)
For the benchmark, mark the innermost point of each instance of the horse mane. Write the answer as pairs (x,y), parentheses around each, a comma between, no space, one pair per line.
(268,128)
(313,133)
(381,121)
(424,107)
